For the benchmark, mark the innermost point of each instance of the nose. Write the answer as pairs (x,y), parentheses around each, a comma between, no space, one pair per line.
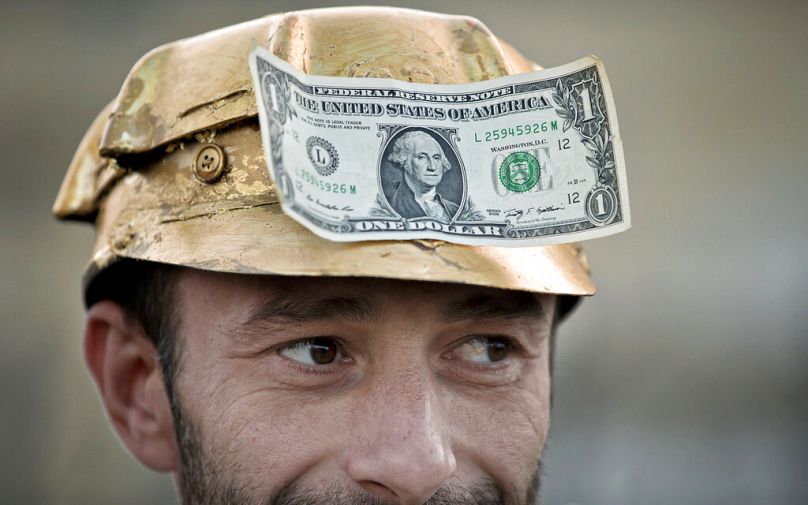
(404,454)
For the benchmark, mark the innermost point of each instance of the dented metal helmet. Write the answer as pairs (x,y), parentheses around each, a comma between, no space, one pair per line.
(173,170)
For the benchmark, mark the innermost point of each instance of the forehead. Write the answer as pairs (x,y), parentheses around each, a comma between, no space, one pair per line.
(425,143)
(237,297)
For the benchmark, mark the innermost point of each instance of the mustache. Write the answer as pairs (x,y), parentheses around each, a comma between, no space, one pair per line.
(203,483)
(482,493)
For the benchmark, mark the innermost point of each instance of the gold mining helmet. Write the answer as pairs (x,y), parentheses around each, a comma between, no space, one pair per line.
(173,170)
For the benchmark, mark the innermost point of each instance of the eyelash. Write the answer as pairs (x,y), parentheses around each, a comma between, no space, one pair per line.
(512,347)
(320,369)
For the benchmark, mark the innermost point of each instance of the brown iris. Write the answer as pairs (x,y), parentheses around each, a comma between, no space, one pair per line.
(323,350)
(498,349)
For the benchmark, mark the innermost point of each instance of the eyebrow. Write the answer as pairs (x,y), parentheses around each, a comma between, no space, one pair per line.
(510,305)
(305,309)
(297,308)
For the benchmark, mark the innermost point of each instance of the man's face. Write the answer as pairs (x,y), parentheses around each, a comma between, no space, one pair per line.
(325,390)
(426,161)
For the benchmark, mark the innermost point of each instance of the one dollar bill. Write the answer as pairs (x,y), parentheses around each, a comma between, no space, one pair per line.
(527,159)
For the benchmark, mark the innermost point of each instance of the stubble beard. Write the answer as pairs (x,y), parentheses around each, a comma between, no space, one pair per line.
(202,482)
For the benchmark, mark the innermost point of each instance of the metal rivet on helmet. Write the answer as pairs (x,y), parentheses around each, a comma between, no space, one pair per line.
(130,173)
(209,163)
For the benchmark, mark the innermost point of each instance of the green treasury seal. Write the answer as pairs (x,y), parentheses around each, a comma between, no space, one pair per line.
(519,171)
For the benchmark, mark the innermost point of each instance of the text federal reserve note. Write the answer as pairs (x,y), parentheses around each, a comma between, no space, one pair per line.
(528,159)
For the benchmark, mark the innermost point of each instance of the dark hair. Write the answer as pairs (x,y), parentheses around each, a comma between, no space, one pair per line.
(146,291)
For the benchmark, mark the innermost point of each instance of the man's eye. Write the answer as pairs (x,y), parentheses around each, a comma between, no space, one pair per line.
(312,351)
(485,349)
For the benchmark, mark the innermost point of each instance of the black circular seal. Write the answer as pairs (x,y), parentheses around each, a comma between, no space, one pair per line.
(323,156)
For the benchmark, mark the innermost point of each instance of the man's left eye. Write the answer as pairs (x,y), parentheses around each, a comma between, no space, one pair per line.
(485,349)
(312,351)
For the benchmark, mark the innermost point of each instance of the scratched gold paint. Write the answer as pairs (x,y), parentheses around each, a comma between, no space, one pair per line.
(133,173)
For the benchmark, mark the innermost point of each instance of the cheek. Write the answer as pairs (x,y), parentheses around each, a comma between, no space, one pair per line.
(503,430)
(263,438)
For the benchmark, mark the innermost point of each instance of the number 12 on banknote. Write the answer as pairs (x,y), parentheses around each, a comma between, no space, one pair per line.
(522,160)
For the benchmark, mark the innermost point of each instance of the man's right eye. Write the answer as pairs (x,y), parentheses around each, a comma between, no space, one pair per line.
(312,351)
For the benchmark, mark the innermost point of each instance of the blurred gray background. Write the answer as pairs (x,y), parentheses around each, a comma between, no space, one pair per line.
(683,382)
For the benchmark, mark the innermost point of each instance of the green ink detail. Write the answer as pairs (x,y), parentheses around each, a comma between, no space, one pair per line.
(520,171)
